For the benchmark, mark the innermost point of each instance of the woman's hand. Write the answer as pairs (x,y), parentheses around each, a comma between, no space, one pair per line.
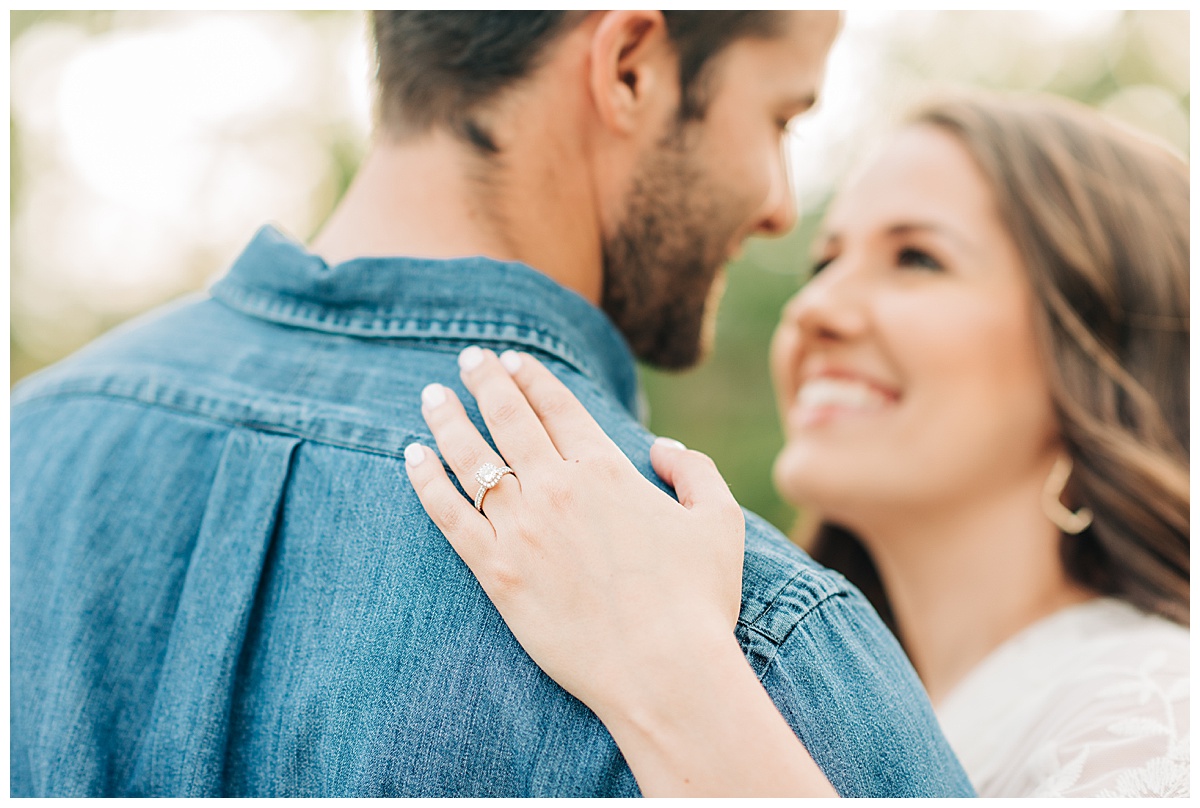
(600,575)
(625,597)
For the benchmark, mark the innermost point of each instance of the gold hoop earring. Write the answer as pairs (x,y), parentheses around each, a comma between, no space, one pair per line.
(1065,520)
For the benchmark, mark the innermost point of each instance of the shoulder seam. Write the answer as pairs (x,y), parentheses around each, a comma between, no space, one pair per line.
(754,625)
(773,641)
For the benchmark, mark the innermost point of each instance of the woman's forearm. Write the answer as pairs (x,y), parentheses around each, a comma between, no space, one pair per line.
(705,727)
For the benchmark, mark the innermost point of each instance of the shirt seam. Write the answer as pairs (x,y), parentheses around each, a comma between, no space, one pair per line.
(274,307)
(257,426)
(777,642)
(801,615)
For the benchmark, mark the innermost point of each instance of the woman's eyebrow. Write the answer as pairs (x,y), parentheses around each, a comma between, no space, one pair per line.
(906,228)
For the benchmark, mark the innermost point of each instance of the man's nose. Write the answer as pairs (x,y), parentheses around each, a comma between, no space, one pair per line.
(778,213)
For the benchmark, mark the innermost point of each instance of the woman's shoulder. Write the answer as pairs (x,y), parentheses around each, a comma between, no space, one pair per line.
(1092,700)
(1105,622)
(1101,638)
(1082,646)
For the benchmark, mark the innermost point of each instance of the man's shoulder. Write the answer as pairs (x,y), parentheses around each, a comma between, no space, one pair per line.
(200,359)
(780,576)
(165,356)
(782,586)
(838,676)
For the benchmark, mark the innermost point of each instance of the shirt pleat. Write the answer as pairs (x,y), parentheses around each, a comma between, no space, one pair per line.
(189,720)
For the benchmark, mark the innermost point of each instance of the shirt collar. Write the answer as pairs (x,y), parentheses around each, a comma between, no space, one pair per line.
(477,299)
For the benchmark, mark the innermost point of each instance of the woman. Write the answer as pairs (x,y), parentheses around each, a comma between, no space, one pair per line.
(984,396)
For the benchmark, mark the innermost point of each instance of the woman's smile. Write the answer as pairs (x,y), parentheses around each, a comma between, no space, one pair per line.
(836,394)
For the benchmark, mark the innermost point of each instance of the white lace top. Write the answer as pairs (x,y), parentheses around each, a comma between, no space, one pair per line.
(1091,701)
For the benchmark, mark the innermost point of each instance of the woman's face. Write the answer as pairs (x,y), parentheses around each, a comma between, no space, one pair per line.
(907,371)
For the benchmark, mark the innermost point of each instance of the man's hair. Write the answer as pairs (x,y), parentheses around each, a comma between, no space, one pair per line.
(442,68)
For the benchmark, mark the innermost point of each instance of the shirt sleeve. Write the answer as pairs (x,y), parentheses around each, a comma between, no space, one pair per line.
(844,685)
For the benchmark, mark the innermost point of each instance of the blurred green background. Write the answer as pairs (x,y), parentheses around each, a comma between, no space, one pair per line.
(147,147)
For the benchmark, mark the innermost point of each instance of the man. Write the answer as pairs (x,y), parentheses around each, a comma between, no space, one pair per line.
(221,582)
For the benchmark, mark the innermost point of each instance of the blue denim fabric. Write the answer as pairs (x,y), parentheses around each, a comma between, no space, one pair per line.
(223,584)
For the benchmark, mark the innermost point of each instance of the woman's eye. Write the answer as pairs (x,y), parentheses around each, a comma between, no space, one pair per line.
(919,259)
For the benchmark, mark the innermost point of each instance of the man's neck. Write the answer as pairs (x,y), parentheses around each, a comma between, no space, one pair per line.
(433,197)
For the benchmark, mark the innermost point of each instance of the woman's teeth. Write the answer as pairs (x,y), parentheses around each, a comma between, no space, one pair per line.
(844,393)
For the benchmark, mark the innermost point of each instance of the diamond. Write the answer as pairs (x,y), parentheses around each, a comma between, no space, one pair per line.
(488,475)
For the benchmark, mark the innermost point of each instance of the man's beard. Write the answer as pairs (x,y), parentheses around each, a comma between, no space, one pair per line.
(661,264)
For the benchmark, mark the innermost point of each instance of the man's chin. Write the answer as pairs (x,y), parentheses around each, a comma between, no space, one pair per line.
(683,347)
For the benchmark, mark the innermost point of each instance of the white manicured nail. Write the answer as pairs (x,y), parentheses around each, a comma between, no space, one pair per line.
(511,361)
(433,395)
(671,443)
(470,357)
(414,453)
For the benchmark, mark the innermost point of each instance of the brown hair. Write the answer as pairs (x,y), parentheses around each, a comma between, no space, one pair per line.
(1101,219)
(440,68)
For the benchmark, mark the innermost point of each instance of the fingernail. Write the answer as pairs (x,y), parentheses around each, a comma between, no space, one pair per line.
(414,453)
(511,361)
(670,443)
(433,395)
(470,357)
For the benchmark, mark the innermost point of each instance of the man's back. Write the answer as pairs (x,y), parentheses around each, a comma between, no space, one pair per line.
(222,584)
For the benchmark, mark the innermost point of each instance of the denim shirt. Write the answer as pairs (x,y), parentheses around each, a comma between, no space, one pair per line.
(223,584)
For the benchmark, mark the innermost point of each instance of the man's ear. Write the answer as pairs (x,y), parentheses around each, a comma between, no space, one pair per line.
(633,68)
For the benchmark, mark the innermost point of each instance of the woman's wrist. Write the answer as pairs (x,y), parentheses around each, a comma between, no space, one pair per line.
(658,697)
(701,724)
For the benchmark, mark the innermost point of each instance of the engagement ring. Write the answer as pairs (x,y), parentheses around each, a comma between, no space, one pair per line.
(488,476)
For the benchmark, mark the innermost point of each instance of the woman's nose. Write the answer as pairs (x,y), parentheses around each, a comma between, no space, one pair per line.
(831,305)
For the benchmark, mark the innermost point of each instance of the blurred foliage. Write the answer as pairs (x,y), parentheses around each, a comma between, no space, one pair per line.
(66,291)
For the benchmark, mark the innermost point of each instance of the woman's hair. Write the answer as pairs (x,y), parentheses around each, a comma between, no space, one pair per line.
(1100,217)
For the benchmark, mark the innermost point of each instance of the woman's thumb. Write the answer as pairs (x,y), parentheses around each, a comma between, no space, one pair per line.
(693,475)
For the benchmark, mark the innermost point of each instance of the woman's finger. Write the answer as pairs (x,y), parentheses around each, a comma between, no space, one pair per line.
(570,426)
(468,531)
(515,427)
(697,483)
(463,447)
